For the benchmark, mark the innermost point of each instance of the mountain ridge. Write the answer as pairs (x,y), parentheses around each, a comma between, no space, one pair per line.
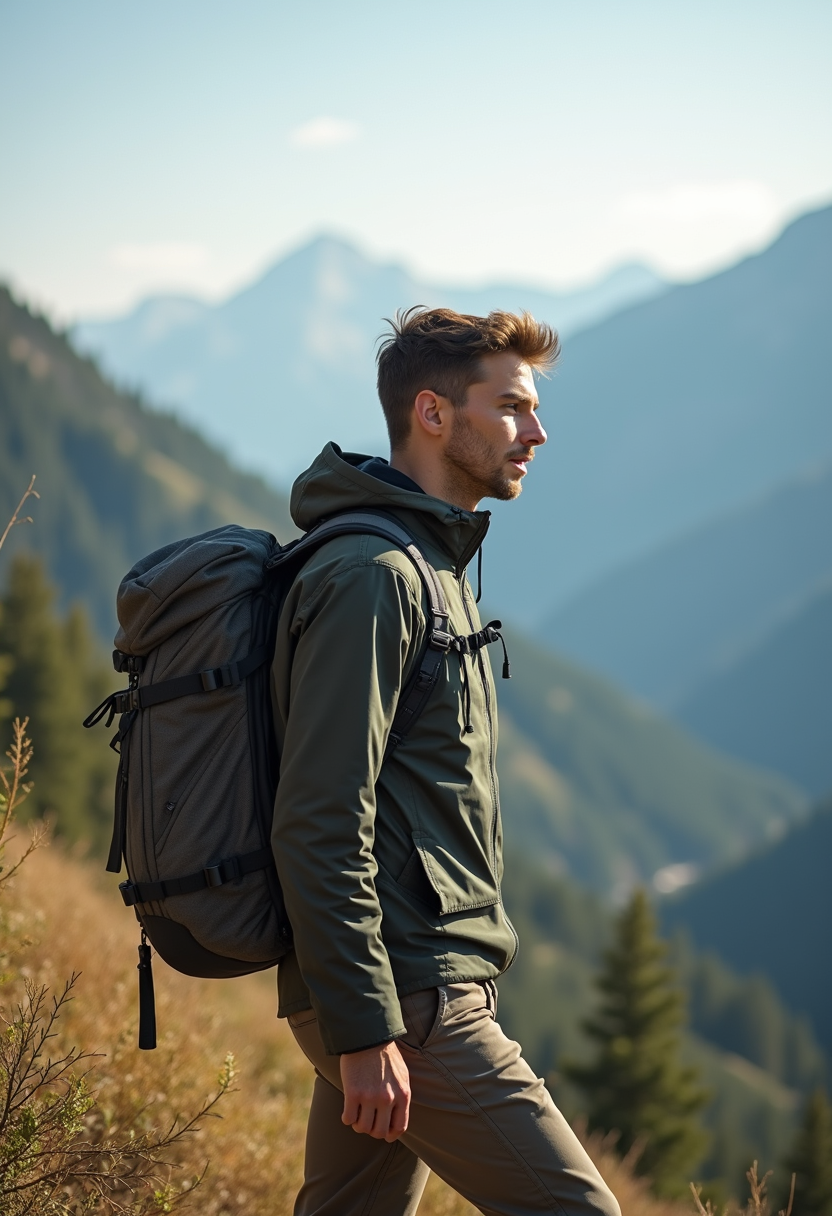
(772,913)
(305,327)
(673,618)
(674,411)
(118,481)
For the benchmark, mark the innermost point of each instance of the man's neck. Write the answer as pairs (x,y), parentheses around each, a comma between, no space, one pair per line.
(434,479)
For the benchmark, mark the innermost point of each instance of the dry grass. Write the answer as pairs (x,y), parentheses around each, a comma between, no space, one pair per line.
(75,923)
(74,920)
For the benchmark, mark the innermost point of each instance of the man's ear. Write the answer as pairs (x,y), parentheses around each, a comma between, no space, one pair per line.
(432,413)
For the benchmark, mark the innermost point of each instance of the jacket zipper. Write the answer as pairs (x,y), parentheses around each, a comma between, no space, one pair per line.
(460,575)
(492,759)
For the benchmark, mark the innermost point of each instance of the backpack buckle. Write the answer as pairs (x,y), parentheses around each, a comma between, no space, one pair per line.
(213,875)
(128,893)
(132,664)
(224,871)
(220,677)
(124,702)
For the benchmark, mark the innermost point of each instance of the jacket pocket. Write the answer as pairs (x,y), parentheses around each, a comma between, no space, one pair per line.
(456,887)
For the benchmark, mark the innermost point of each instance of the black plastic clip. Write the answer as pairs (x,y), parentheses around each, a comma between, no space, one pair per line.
(128,893)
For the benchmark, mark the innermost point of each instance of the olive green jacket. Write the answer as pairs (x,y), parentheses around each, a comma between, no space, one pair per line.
(391,872)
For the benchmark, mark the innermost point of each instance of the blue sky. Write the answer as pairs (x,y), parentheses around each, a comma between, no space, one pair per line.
(186,145)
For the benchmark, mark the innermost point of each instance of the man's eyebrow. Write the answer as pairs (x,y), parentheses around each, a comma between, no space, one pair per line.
(534,401)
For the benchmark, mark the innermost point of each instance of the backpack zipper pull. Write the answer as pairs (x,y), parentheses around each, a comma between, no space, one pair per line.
(147,1001)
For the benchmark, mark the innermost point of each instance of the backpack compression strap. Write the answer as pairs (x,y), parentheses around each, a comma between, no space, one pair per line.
(439,640)
(215,875)
(180,686)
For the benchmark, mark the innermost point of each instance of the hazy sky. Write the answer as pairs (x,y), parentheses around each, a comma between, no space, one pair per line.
(188,144)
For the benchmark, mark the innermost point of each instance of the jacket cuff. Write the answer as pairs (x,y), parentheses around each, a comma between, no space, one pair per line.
(344,1038)
(381,1043)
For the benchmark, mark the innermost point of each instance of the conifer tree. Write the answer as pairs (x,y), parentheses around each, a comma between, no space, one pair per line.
(636,1085)
(811,1159)
(54,677)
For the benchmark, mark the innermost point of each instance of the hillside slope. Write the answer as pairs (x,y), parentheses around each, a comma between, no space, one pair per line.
(116,479)
(773,913)
(255,1149)
(667,622)
(773,706)
(671,413)
(608,792)
(754,1057)
(287,363)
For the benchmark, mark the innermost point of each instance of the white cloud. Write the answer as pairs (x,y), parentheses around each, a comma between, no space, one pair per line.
(163,257)
(695,227)
(702,202)
(324,132)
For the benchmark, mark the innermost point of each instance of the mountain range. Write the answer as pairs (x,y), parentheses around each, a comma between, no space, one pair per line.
(666,414)
(289,362)
(593,784)
(666,622)
(671,413)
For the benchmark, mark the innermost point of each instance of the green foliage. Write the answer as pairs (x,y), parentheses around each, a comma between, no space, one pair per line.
(811,1159)
(117,479)
(744,1014)
(772,913)
(54,677)
(636,1085)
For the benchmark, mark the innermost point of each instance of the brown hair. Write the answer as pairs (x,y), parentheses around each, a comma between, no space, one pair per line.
(442,350)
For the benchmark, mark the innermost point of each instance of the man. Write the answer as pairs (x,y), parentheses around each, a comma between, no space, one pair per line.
(391,870)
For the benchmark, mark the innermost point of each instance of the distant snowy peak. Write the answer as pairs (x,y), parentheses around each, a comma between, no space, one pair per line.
(299,343)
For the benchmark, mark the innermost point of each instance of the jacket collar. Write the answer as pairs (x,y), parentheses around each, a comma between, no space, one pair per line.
(334,483)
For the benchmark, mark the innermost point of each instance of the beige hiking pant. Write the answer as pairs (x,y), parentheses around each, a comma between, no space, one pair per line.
(479,1118)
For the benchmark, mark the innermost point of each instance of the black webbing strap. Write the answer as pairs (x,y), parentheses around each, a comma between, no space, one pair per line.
(376,524)
(180,686)
(228,870)
(414,697)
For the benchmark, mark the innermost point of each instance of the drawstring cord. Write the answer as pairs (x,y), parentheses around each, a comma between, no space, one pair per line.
(465,680)
(468,645)
(479,574)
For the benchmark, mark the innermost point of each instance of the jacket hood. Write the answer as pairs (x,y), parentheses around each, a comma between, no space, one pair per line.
(334,483)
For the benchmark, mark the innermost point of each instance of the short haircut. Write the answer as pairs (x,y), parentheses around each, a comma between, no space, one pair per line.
(442,350)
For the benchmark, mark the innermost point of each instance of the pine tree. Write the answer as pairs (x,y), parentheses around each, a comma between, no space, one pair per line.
(811,1159)
(54,676)
(636,1085)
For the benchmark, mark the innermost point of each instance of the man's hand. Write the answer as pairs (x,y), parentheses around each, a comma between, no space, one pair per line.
(376,1092)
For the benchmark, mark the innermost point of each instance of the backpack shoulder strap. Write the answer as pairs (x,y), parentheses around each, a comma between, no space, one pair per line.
(415,695)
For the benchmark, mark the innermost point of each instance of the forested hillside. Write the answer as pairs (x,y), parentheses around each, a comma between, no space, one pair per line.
(668,622)
(117,479)
(773,705)
(755,1056)
(773,914)
(610,791)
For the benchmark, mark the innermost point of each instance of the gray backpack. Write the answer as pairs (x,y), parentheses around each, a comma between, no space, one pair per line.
(198,767)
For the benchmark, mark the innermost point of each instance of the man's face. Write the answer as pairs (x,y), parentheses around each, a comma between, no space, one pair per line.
(493,436)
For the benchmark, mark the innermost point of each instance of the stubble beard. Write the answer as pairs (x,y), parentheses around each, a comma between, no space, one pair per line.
(474,467)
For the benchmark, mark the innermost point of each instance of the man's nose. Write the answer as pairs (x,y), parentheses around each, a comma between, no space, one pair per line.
(532,432)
